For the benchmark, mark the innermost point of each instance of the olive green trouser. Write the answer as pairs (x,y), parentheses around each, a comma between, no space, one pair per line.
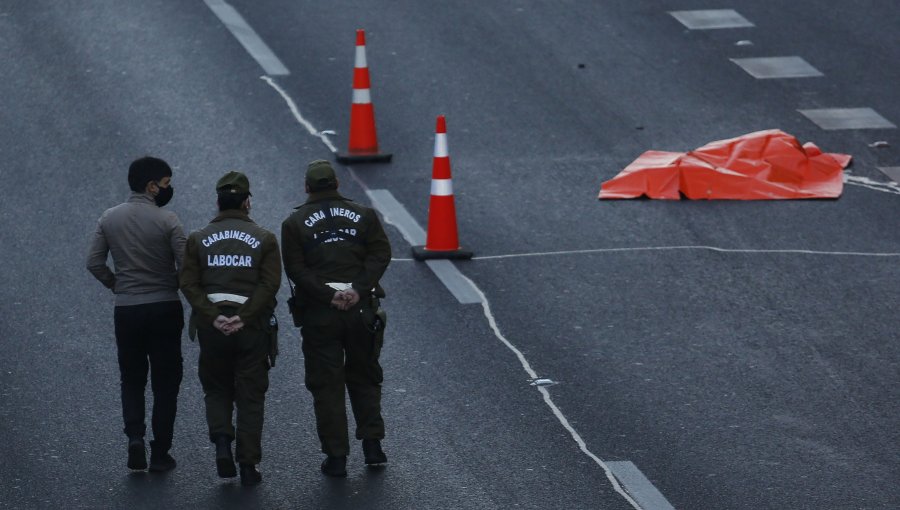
(339,351)
(234,373)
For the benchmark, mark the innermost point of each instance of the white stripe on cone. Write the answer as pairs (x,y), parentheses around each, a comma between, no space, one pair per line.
(441,187)
(360,57)
(440,145)
(361,96)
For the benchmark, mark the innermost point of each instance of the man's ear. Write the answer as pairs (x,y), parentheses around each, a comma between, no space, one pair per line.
(147,188)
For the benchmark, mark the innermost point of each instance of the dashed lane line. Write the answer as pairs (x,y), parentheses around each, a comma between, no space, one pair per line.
(767,68)
(709,19)
(640,488)
(831,119)
(248,38)
(893,172)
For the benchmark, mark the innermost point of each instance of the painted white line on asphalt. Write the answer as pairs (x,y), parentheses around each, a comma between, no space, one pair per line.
(547,399)
(891,171)
(831,119)
(709,248)
(397,215)
(247,37)
(461,287)
(865,182)
(296,111)
(640,488)
(763,68)
(711,18)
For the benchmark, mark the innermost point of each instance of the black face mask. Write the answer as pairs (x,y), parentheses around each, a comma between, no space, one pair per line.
(165,194)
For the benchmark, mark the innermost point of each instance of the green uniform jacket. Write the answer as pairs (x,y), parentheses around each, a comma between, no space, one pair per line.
(333,239)
(232,255)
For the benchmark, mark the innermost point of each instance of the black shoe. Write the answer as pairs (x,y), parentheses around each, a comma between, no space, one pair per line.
(161,463)
(372,452)
(224,459)
(335,466)
(137,455)
(249,475)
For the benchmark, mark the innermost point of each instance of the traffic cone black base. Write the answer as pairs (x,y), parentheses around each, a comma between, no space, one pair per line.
(348,158)
(420,253)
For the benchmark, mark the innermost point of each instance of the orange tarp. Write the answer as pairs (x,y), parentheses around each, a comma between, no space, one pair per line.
(764,165)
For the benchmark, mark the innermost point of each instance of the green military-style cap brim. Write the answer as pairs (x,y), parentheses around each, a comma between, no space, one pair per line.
(233,182)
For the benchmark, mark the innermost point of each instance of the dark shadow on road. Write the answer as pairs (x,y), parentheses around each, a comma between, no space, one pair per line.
(359,490)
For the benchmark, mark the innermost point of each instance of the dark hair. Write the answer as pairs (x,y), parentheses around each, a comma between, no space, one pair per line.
(146,169)
(228,200)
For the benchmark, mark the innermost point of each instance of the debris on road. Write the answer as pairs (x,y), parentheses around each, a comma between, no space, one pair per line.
(765,165)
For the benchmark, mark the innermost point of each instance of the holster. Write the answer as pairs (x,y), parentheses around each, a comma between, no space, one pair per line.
(296,306)
(272,330)
(374,317)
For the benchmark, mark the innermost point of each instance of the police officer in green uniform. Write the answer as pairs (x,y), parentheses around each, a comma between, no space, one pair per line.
(232,272)
(335,251)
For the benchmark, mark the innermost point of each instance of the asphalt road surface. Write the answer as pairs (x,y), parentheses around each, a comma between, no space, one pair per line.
(703,355)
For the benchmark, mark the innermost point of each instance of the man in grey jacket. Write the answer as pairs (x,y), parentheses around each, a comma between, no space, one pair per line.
(147,246)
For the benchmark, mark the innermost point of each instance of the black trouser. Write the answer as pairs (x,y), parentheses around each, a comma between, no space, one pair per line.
(148,336)
(340,351)
(234,373)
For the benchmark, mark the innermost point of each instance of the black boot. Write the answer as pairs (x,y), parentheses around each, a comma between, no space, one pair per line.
(249,475)
(137,454)
(372,452)
(161,462)
(335,466)
(224,458)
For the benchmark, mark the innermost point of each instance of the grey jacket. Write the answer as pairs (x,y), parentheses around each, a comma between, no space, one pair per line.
(147,246)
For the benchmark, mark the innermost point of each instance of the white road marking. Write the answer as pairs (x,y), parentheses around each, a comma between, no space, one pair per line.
(640,488)
(763,68)
(247,37)
(397,215)
(847,118)
(711,19)
(461,287)
(891,171)
(547,399)
(865,182)
(688,247)
(322,135)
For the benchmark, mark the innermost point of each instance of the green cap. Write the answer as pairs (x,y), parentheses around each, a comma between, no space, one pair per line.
(320,175)
(233,182)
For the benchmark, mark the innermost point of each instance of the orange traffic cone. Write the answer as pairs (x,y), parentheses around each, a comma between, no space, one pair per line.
(363,145)
(442,241)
